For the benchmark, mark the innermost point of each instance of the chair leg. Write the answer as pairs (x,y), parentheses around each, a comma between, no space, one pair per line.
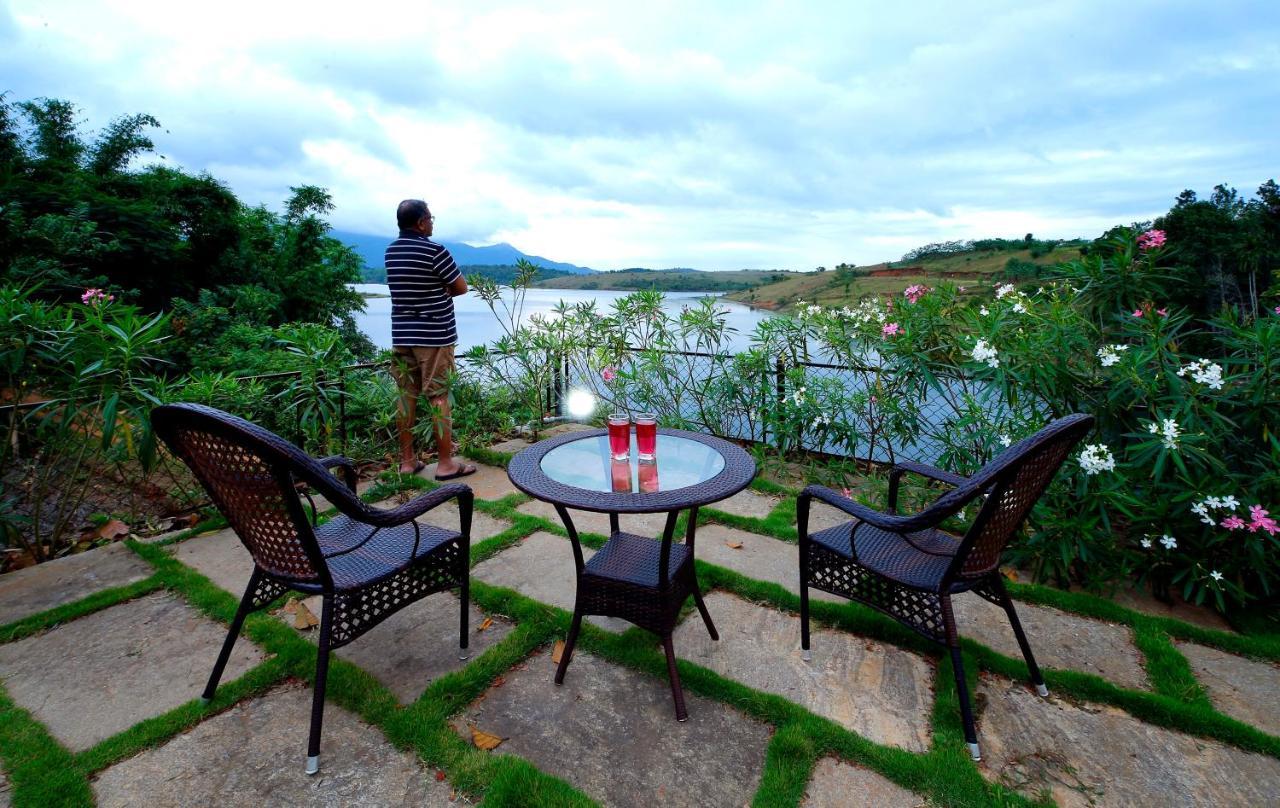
(677,692)
(706,616)
(317,693)
(246,606)
(569,642)
(962,686)
(1036,678)
(966,711)
(464,595)
(804,602)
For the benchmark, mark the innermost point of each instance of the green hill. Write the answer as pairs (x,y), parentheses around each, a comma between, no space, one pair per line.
(958,262)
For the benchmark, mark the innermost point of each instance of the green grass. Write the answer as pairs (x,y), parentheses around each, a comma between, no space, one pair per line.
(42,772)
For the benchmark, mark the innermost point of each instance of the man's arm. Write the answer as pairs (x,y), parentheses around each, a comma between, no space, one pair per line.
(458,286)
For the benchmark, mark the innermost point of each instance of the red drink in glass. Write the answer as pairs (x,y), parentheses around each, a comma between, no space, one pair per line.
(646,435)
(620,436)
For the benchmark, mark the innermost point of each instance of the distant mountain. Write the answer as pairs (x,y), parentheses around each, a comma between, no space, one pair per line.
(372,249)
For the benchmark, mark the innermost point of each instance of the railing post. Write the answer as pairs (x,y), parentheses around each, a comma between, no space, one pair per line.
(781,382)
(342,410)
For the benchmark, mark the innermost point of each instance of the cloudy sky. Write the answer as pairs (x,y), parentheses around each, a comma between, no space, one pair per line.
(714,135)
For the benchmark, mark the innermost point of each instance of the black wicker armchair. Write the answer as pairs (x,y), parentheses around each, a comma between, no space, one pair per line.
(365,563)
(907,568)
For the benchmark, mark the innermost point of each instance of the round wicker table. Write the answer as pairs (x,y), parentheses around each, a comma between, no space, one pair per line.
(638,578)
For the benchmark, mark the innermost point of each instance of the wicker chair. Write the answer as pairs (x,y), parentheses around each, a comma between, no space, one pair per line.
(365,563)
(907,568)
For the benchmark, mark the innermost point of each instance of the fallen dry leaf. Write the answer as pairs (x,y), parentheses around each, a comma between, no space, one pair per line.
(484,624)
(485,740)
(557,652)
(1009,573)
(439,776)
(733,544)
(303,618)
(113,529)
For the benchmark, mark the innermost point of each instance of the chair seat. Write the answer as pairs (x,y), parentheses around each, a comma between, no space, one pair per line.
(389,551)
(890,555)
(635,559)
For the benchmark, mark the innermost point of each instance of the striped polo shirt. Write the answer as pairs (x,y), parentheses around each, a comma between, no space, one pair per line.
(419,272)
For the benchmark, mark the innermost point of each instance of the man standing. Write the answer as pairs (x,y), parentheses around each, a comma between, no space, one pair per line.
(423,280)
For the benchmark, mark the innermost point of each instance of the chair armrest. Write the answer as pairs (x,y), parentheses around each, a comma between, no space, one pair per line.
(924,470)
(347,465)
(946,505)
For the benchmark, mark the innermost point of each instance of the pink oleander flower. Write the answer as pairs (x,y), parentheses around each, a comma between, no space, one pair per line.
(847,493)
(1262,521)
(873,400)
(94,296)
(1137,312)
(609,374)
(1233,523)
(1151,239)
(1162,312)
(914,292)
(890,329)
(1278,310)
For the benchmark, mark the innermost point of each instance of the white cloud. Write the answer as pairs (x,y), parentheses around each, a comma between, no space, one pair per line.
(718,135)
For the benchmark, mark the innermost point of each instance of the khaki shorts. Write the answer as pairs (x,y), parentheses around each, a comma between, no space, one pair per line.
(422,370)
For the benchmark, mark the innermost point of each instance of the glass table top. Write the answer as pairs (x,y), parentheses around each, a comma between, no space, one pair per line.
(678,463)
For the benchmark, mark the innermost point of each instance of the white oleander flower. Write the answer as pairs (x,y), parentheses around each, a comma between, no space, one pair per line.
(1169,542)
(1215,575)
(1108,355)
(1005,440)
(984,311)
(1230,501)
(1146,543)
(982,352)
(1019,308)
(1204,372)
(1097,457)
(1213,502)
(1004,290)
(1169,432)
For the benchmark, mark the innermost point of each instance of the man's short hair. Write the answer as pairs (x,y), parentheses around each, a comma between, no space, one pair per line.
(410,213)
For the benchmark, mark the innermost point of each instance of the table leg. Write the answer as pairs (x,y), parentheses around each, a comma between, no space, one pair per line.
(677,692)
(689,533)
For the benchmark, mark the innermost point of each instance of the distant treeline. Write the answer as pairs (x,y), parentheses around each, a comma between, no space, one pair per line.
(498,273)
(1038,247)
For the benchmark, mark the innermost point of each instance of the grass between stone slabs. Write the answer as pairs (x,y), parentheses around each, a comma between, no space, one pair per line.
(34,624)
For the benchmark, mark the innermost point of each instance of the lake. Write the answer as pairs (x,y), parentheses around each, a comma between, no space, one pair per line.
(478,326)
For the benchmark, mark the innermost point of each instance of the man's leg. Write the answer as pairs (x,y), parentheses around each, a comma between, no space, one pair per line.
(408,376)
(442,371)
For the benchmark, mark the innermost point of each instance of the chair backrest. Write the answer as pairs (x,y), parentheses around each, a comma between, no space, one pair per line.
(248,472)
(1018,476)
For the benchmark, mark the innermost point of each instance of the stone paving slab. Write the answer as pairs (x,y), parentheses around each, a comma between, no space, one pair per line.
(99,675)
(541,567)
(612,732)
(747,503)
(63,580)
(642,524)
(218,556)
(489,482)
(761,557)
(1242,688)
(513,445)
(1087,755)
(253,754)
(1058,639)
(837,784)
(416,645)
(878,691)
(4,791)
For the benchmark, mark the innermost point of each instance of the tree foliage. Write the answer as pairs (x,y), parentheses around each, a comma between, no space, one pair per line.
(81,210)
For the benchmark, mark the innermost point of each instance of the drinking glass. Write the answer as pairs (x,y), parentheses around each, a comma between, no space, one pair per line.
(646,435)
(620,436)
